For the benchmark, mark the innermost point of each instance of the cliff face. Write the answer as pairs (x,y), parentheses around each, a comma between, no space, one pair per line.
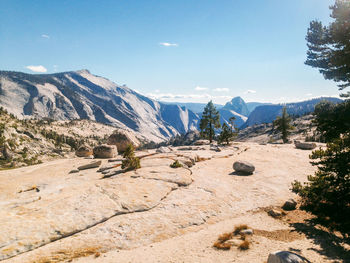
(81,95)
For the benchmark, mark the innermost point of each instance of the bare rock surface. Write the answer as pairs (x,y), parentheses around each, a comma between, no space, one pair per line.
(154,214)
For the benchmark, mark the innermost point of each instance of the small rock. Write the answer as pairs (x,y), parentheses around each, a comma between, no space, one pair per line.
(90,165)
(84,151)
(247,232)
(243,167)
(285,257)
(289,205)
(74,171)
(105,151)
(305,145)
(274,213)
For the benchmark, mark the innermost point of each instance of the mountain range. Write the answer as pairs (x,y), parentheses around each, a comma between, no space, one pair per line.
(82,95)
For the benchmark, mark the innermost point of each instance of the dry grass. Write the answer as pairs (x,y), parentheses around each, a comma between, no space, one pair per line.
(221,245)
(239,228)
(68,255)
(224,237)
(244,245)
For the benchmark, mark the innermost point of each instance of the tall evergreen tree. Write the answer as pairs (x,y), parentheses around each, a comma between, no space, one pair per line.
(282,123)
(329,46)
(210,121)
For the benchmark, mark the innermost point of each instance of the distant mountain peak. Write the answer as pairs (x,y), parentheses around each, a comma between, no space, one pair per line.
(82,71)
(238,105)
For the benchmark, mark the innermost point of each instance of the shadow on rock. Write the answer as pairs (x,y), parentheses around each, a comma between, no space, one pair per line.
(240,173)
(331,244)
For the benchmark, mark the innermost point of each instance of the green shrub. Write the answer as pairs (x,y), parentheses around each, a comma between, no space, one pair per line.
(130,162)
(176,164)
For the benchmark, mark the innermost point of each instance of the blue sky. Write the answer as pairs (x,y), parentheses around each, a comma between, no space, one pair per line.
(179,50)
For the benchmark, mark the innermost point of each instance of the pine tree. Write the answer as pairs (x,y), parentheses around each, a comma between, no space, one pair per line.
(226,134)
(210,121)
(131,162)
(282,124)
(328,46)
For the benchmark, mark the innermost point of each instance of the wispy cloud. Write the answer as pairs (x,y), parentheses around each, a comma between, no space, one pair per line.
(198,88)
(308,94)
(250,91)
(45,36)
(222,89)
(167,44)
(39,68)
(171,96)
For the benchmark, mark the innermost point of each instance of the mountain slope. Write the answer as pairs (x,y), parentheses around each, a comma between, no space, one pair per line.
(268,113)
(237,105)
(81,95)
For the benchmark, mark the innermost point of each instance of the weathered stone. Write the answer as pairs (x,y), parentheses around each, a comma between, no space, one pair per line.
(90,165)
(247,232)
(163,149)
(105,151)
(74,171)
(305,145)
(201,142)
(84,151)
(122,138)
(289,205)
(285,257)
(215,148)
(243,167)
(274,213)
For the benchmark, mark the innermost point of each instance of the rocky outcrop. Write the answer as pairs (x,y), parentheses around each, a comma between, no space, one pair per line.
(305,145)
(163,149)
(122,138)
(201,142)
(84,151)
(243,167)
(105,151)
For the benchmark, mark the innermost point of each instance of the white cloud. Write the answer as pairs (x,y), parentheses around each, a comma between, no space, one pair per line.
(167,44)
(171,96)
(222,89)
(308,94)
(250,91)
(45,36)
(198,88)
(39,68)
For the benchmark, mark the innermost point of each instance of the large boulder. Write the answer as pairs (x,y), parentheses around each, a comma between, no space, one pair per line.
(243,167)
(84,151)
(105,151)
(285,257)
(122,138)
(305,145)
